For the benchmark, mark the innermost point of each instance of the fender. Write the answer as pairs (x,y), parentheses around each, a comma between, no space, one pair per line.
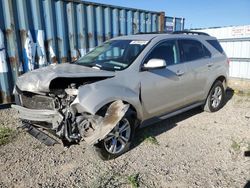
(93,97)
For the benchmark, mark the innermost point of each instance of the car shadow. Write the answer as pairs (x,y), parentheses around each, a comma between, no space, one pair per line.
(160,127)
(163,126)
(247,185)
(247,154)
(5,106)
(229,95)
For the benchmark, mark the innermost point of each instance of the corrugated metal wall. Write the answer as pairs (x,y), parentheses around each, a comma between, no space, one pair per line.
(236,43)
(34,33)
(238,51)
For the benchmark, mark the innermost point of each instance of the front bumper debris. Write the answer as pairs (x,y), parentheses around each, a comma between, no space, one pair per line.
(41,136)
(49,116)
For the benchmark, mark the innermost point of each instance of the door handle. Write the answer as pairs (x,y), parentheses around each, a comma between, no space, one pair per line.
(179,73)
(210,64)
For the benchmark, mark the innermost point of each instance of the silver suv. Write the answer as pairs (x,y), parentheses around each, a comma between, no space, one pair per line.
(126,82)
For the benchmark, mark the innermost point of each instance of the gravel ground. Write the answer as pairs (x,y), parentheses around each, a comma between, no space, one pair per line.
(193,149)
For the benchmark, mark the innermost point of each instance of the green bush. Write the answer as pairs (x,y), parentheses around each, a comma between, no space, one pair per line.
(5,135)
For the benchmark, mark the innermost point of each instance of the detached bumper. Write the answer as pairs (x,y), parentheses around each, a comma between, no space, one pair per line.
(39,135)
(49,116)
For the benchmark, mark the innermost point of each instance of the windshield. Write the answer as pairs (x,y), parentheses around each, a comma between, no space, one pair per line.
(113,55)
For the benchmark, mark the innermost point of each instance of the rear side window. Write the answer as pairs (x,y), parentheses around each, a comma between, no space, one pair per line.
(216,45)
(191,50)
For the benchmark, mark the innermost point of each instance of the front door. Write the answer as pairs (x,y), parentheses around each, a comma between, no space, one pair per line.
(163,90)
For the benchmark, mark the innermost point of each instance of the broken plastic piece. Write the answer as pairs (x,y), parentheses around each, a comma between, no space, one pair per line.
(113,115)
(42,137)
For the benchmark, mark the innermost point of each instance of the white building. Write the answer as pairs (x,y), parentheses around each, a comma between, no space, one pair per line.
(236,43)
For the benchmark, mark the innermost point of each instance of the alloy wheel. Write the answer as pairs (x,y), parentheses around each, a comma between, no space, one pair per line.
(216,97)
(118,138)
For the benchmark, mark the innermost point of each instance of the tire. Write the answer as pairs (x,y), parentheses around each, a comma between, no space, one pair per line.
(216,98)
(104,148)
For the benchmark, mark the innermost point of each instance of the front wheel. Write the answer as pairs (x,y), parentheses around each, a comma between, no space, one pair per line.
(118,140)
(216,98)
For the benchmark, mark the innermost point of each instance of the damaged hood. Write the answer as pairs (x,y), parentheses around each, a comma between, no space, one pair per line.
(39,80)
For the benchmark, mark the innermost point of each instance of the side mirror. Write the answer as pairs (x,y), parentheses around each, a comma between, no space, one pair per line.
(154,64)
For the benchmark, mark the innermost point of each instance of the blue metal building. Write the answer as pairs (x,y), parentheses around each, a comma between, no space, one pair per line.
(35,33)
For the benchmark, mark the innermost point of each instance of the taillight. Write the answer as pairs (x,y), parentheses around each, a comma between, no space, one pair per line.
(228,61)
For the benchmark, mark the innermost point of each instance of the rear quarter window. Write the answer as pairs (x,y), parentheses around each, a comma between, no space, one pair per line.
(216,45)
(191,50)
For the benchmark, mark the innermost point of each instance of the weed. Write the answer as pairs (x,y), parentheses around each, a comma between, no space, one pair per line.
(151,140)
(242,93)
(134,180)
(38,146)
(5,135)
(235,146)
(248,146)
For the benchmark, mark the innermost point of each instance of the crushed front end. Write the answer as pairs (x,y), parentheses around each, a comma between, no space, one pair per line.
(49,113)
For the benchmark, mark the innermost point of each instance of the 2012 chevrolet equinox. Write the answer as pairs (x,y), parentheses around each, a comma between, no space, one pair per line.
(124,83)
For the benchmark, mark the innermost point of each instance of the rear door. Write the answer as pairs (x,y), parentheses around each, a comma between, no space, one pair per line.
(197,60)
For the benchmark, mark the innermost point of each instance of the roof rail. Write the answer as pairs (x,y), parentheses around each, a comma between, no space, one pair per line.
(157,32)
(190,32)
(175,32)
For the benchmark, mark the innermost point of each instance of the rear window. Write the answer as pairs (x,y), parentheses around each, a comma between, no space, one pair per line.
(192,50)
(216,45)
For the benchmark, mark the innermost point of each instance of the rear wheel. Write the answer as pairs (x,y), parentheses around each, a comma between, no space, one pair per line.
(118,140)
(216,98)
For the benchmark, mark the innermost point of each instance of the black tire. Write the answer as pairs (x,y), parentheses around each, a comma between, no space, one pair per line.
(100,147)
(209,105)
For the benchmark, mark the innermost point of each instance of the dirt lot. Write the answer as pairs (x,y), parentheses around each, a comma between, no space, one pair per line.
(194,149)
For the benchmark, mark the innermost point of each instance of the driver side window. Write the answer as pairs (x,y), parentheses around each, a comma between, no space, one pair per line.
(167,51)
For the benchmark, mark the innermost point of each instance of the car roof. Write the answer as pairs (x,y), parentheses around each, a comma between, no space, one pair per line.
(148,37)
(137,37)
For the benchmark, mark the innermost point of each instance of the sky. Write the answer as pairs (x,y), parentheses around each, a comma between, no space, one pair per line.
(197,13)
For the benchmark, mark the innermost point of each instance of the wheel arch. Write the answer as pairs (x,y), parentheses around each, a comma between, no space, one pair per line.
(207,106)
(223,80)
(131,107)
